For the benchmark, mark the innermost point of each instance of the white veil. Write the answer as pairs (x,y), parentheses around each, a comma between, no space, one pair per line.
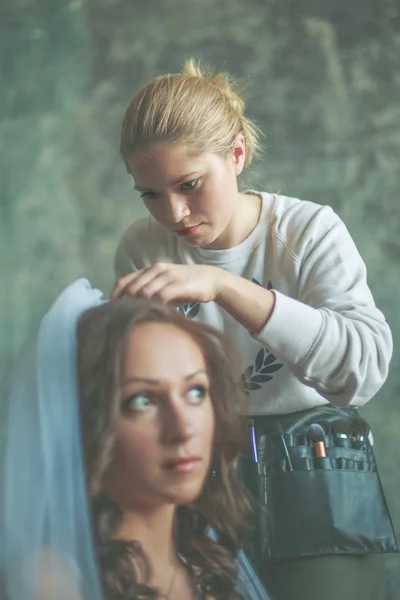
(46,542)
(45,531)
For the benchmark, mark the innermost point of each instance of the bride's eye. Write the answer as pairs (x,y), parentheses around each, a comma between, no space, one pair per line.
(138,403)
(197,394)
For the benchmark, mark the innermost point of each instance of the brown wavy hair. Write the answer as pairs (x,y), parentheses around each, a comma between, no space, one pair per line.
(223,505)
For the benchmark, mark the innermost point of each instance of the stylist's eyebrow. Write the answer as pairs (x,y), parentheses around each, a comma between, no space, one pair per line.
(158,381)
(182,179)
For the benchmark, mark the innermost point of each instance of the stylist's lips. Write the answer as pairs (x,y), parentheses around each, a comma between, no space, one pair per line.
(182,465)
(188,231)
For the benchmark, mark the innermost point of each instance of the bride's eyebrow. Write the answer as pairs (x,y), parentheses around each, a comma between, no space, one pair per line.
(158,381)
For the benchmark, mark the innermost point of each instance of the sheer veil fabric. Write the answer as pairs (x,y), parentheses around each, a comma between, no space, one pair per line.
(46,544)
(44,519)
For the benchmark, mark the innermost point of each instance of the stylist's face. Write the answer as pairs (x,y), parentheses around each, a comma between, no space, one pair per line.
(195,196)
(164,428)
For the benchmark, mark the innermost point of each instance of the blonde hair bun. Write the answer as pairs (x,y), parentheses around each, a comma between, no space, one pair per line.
(197,106)
(223,81)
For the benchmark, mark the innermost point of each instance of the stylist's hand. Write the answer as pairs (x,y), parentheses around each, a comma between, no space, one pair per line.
(171,284)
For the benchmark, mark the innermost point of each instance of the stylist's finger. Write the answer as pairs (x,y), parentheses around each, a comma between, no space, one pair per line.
(132,284)
(122,284)
(147,283)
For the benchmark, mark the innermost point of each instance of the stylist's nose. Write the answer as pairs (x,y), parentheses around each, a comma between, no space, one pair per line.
(177,208)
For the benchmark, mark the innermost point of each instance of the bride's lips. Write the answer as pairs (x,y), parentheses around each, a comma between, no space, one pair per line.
(188,231)
(183,465)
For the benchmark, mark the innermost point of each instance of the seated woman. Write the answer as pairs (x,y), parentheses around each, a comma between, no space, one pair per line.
(128,405)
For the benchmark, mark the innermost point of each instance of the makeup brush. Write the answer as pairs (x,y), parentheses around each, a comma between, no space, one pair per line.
(317,434)
(285,448)
(342,429)
(253,442)
(327,427)
(360,429)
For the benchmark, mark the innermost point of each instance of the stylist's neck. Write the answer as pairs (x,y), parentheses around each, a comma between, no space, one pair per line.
(243,221)
(153,529)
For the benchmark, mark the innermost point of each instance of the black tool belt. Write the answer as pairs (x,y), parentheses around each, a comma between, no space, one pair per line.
(312,505)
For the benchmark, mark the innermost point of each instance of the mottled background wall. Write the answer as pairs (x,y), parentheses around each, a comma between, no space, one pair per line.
(323,81)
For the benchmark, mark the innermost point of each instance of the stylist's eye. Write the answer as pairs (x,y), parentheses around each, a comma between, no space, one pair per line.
(190,185)
(148,195)
(197,394)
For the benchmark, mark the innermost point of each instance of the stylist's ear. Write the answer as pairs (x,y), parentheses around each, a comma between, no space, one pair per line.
(239,154)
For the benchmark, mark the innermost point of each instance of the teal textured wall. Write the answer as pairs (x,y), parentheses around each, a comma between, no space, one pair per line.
(322,80)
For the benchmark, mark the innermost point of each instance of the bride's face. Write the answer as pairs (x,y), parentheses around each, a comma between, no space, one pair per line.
(164,426)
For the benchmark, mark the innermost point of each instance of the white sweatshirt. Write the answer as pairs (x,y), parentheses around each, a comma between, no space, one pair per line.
(325,340)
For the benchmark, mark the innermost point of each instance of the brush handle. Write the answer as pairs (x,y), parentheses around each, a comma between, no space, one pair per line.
(253,441)
(320,450)
(287,452)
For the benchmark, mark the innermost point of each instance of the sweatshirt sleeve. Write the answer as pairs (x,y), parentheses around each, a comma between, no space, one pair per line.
(332,336)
